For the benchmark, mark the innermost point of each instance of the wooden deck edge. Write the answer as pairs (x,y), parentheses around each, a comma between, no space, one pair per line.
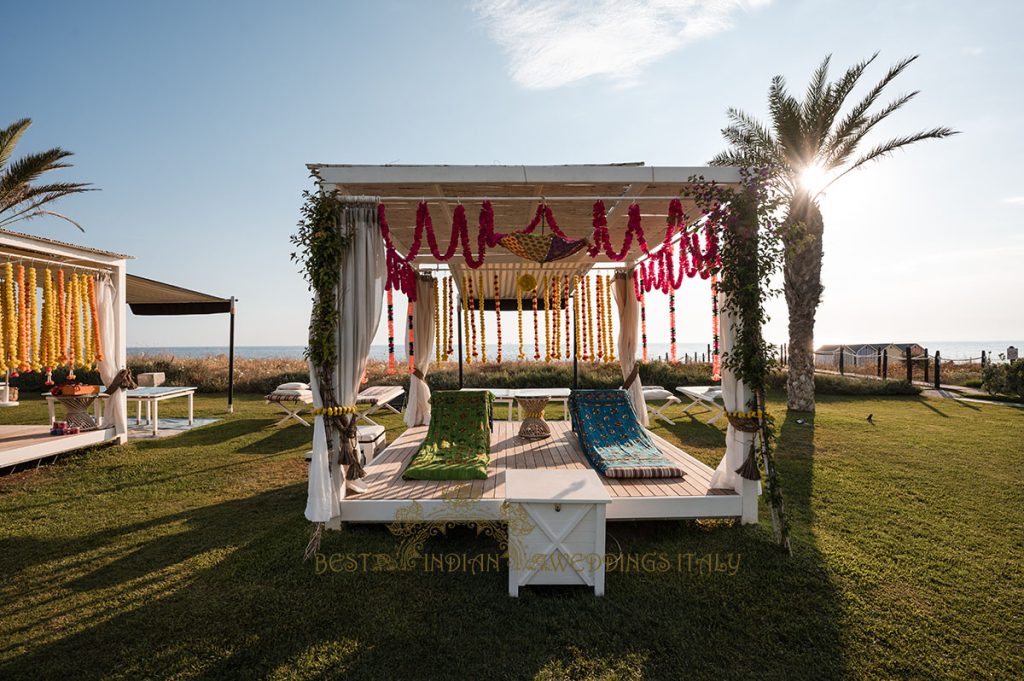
(55,445)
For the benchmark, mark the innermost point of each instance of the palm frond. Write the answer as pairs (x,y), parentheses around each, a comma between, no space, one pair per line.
(787,122)
(839,155)
(855,119)
(8,221)
(9,137)
(886,148)
(30,167)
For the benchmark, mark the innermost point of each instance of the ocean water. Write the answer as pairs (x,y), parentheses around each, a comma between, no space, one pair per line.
(949,350)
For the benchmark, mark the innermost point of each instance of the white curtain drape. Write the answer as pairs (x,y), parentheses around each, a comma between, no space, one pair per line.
(115,411)
(417,410)
(735,396)
(360,294)
(629,320)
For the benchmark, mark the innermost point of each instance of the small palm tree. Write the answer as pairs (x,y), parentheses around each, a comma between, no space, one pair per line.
(809,145)
(20,199)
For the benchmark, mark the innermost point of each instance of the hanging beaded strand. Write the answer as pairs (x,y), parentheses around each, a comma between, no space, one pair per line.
(497,314)
(643,324)
(449,285)
(547,320)
(672,326)
(588,320)
(716,360)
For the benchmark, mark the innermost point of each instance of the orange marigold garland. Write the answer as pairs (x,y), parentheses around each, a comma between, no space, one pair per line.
(585,317)
(391,332)
(497,314)
(471,317)
(96,342)
(62,322)
(556,314)
(78,326)
(448,346)
(547,320)
(716,359)
(10,319)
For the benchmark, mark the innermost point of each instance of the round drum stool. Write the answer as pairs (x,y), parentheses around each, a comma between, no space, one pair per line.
(534,426)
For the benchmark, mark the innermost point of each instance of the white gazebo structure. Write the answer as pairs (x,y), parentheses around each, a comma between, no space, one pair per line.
(30,442)
(515,192)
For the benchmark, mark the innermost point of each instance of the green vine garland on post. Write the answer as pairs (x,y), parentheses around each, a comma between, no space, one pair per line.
(751,250)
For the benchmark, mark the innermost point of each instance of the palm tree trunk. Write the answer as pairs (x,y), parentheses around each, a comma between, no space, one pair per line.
(802,270)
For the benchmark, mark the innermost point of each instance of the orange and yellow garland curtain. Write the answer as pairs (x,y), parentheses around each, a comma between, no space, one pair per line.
(61,329)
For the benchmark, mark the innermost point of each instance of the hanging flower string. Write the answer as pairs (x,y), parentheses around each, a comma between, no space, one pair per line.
(438,326)
(568,326)
(411,337)
(464,302)
(449,285)
(519,313)
(643,326)
(716,359)
(483,323)
(576,315)
(391,332)
(556,311)
(599,309)
(609,344)
(672,350)
(497,314)
(471,316)
(536,323)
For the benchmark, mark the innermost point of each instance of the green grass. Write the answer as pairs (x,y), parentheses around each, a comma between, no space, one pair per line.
(182,558)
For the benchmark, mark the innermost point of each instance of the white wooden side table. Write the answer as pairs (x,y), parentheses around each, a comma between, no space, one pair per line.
(560,539)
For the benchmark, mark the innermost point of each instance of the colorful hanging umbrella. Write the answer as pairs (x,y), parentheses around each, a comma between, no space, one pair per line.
(541,247)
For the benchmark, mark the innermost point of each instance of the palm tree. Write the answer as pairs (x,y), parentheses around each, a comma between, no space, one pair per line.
(808,146)
(20,199)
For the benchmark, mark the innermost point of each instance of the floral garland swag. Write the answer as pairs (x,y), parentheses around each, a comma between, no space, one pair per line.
(62,329)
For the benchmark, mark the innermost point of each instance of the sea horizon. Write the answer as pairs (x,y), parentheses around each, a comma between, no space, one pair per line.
(948,349)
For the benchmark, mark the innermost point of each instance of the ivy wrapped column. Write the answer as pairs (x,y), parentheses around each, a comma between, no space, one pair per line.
(342,249)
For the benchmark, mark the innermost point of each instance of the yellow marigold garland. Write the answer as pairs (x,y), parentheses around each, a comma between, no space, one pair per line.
(62,321)
(76,292)
(610,324)
(334,411)
(576,314)
(23,349)
(435,292)
(556,311)
(467,313)
(483,326)
(568,324)
(547,320)
(33,302)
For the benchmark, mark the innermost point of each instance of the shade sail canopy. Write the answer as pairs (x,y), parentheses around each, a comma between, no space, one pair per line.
(149,297)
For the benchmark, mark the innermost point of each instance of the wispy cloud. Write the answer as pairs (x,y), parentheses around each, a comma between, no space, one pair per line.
(1014,200)
(972,50)
(557,42)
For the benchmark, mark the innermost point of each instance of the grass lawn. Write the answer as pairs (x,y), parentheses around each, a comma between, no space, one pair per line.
(182,558)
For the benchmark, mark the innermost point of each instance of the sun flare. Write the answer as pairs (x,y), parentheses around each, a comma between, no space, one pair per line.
(813,178)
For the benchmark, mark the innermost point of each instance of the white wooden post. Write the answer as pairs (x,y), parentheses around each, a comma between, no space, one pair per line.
(121,346)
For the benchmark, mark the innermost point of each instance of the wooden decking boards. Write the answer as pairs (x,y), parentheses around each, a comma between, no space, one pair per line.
(560,451)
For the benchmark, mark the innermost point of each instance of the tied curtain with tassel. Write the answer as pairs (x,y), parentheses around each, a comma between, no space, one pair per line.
(629,323)
(417,409)
(359,298)
(736,397)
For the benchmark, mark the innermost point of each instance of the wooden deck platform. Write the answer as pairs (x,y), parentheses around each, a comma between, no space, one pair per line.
(688,497)
(20,444)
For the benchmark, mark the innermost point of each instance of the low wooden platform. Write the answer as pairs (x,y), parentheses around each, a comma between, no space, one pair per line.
(21,444)
(688,497)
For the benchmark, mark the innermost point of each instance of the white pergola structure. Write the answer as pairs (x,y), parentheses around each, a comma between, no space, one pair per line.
(514,192)
(30,442)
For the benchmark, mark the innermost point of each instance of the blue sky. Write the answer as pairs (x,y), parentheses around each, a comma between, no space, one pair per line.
(196,119)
